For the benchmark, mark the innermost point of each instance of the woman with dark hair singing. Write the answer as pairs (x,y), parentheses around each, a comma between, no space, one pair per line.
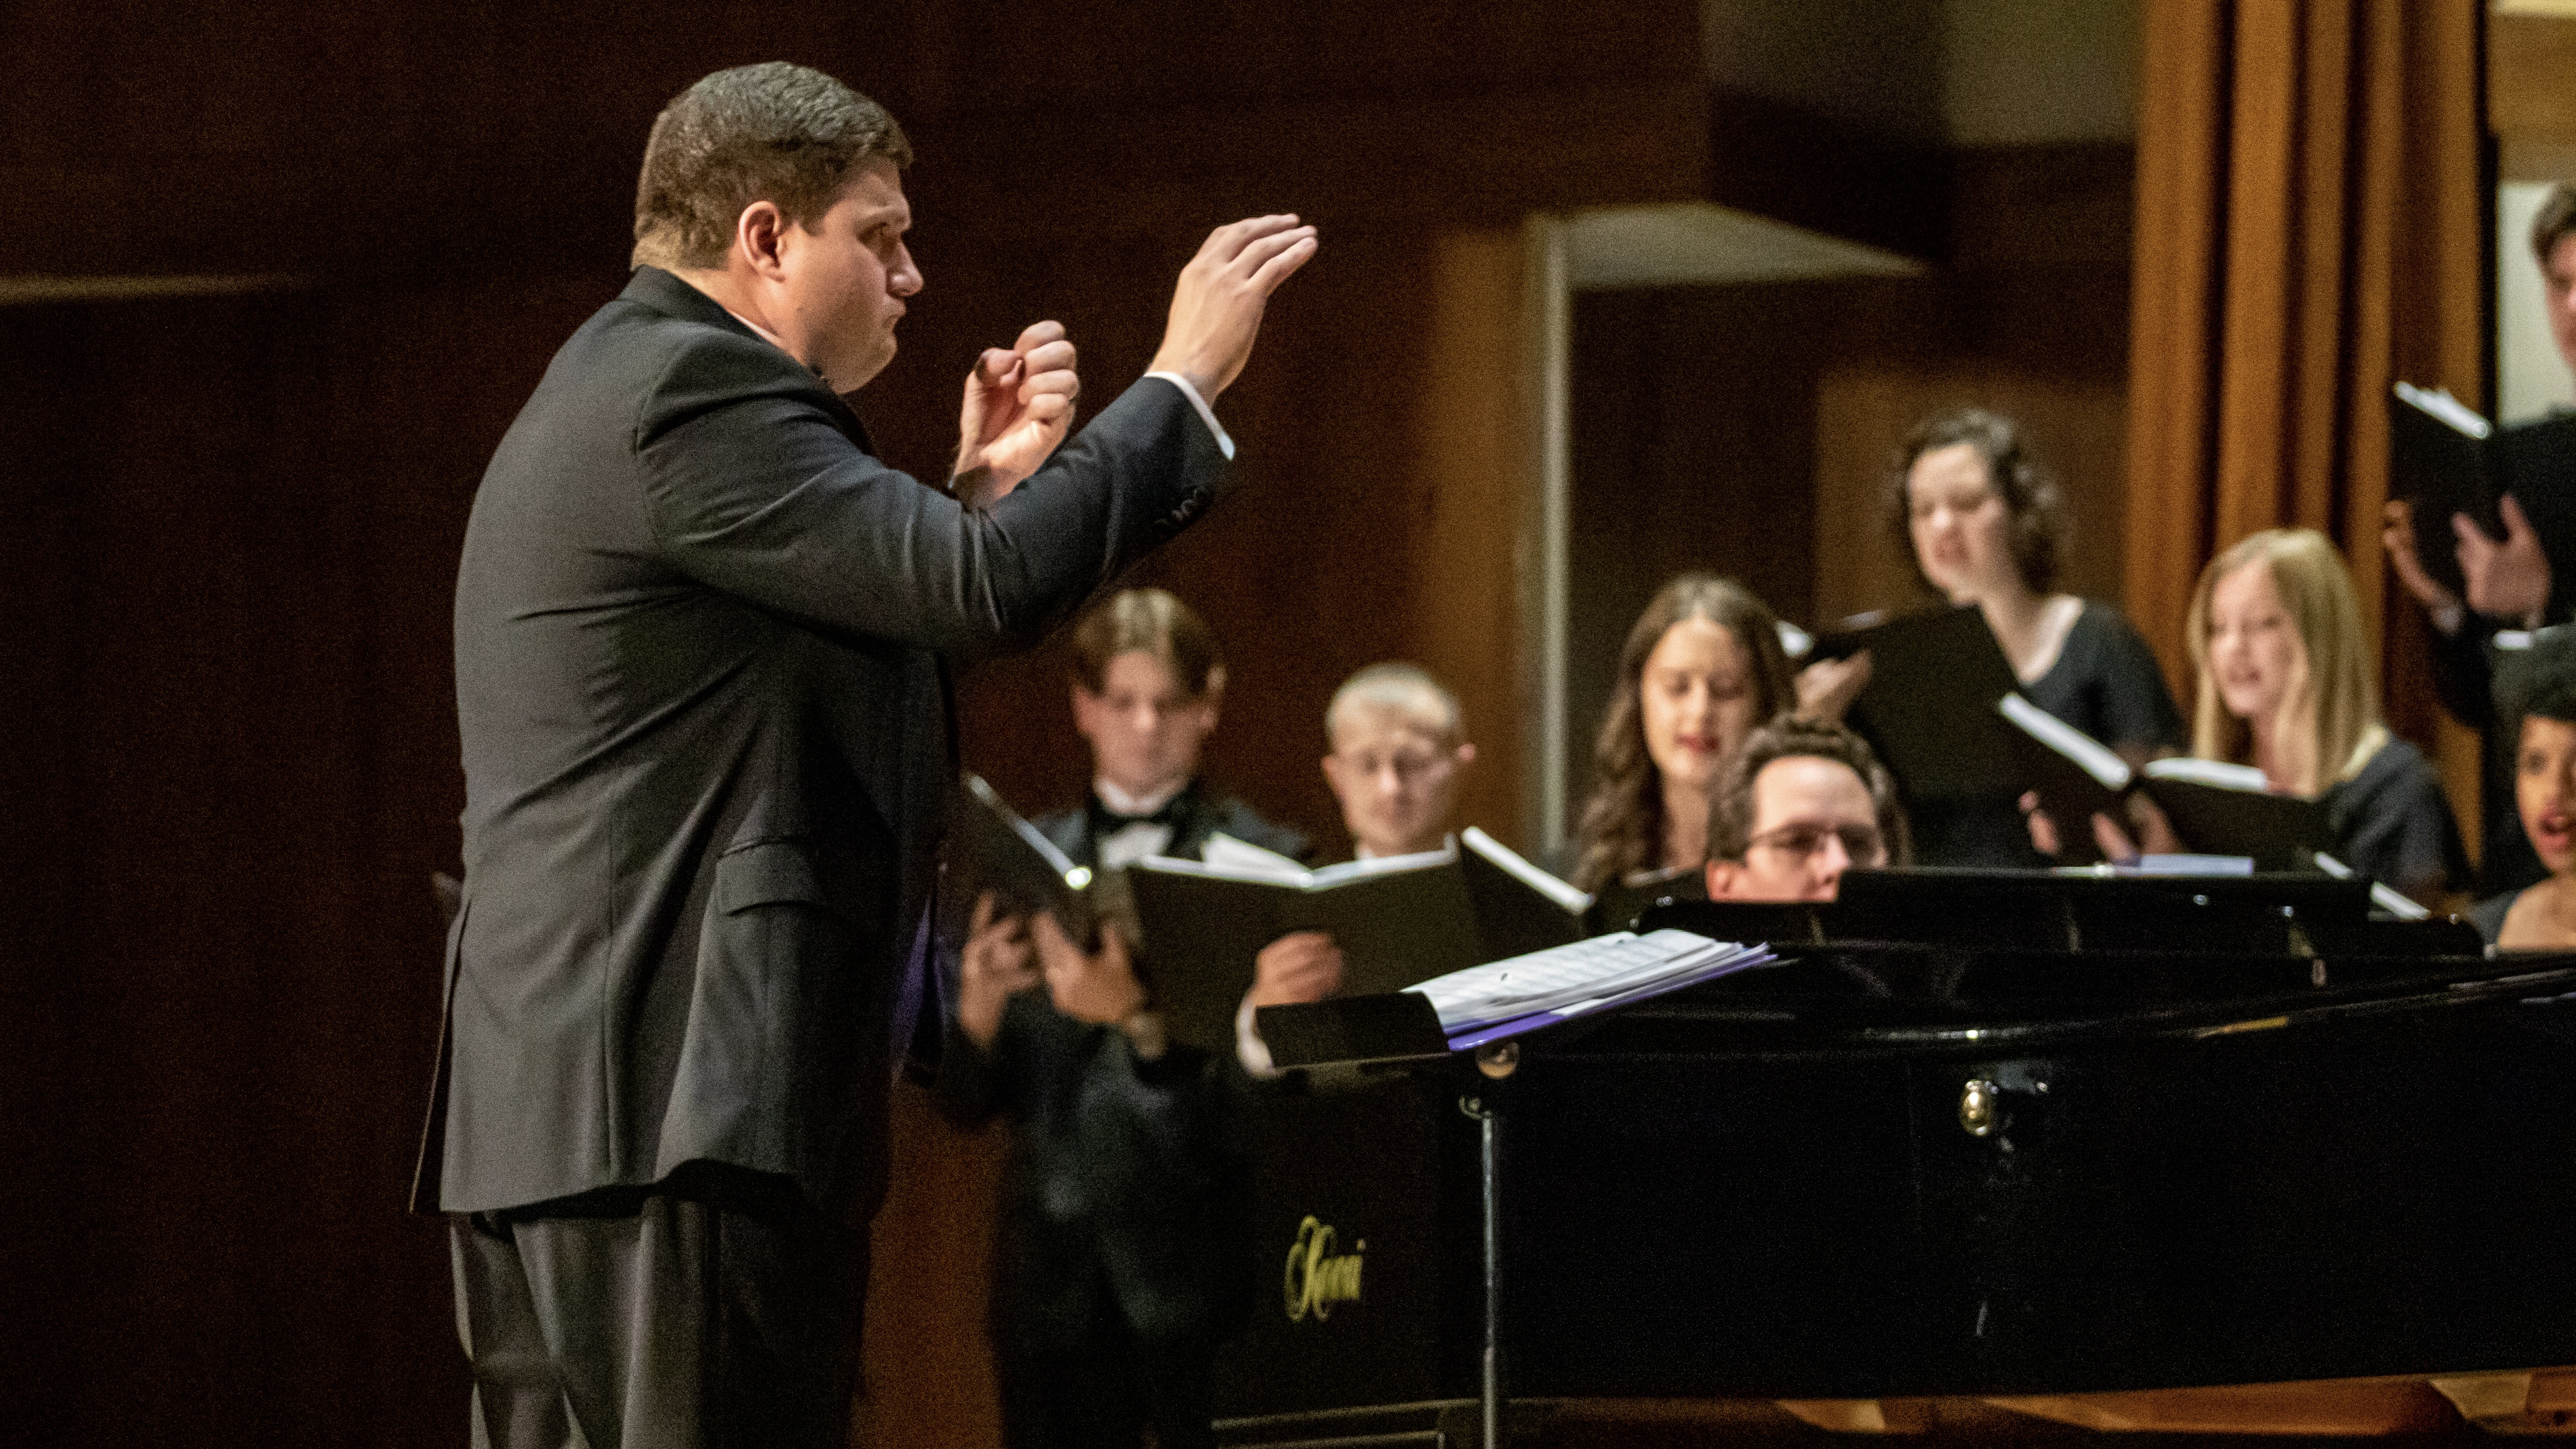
(1984,526)
(1702,667)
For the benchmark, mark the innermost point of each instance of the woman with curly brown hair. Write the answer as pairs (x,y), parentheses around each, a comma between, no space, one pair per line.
(1984,526)
(1702,667)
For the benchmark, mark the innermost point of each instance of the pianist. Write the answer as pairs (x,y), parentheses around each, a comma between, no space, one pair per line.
(1800,805)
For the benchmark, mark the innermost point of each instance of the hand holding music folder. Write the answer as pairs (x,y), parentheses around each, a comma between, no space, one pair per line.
(992,848)
(2440,463)
(2214,808)
(1500,999)
(1397,919)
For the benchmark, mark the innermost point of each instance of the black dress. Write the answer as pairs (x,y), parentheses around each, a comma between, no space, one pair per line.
(2392,823)
(2105,682)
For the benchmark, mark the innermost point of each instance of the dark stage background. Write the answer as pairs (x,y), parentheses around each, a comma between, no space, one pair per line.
(234,506)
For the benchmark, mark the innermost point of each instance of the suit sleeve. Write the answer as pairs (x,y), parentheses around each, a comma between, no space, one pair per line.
(752,486)
(2463,678)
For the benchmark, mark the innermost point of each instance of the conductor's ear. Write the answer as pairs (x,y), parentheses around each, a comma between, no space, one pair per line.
(759,236)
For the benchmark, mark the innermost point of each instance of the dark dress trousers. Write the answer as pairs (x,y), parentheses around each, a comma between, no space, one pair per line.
(707,748)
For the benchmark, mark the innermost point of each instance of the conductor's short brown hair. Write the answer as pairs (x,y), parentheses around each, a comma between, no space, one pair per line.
(1156,623)
(772,132)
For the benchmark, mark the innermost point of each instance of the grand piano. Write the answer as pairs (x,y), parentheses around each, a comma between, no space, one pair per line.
(1975,1137)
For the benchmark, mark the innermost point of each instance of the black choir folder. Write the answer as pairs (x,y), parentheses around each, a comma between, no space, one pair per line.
(1500,999)
(2440,460)
(1929,707)
(2216,809)
(1398,920)
(991,848)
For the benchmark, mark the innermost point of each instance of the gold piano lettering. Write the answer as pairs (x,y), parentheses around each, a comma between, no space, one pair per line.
(1317,1277)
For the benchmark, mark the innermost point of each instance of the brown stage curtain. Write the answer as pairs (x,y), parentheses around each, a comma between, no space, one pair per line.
(2310,229)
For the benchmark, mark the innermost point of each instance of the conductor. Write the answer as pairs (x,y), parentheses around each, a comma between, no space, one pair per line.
(701,657)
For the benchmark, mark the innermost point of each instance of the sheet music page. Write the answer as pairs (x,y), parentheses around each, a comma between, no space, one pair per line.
(1242,856)
(2216,773)
(2095,758)
(1604,966)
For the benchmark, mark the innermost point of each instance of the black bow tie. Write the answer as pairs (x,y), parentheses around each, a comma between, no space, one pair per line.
(1106,822)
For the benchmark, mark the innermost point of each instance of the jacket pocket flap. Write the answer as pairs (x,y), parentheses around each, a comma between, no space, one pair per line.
(767,873)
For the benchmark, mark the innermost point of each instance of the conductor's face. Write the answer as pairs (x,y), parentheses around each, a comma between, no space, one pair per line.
(1695,699)
(845,279)
(1145,730)
(1812,820)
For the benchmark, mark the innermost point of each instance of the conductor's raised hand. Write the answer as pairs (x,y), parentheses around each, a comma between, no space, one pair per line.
(1216,308)
(1297,968)
(1019,407)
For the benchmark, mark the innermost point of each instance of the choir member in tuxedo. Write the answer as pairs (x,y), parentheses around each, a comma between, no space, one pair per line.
(2510,582)
(1146,687)
(1398,744)
(1984,525)
(2285,684)
(1701,667)
(2542,916)
(1122,1252)
(1798,806)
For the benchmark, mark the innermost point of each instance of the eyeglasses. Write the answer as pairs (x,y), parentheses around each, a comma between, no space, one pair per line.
(1861,843)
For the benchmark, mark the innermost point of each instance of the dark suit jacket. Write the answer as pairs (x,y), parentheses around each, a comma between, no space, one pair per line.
(707,748)
(2533,465)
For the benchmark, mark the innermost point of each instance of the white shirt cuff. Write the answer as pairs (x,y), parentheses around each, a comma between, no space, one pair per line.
(1207,415)
(1249,1048)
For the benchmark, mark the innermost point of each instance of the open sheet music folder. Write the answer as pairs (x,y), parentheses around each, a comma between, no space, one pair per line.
(992,848)
(2213,807)
(1929,707)
(1499,1000)
(1397,919)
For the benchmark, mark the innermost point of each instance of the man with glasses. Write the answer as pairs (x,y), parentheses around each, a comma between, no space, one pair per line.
(1801,804)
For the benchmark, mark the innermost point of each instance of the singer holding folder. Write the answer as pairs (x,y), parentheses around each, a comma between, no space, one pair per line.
(1984,525)
(1120,1259)
(2285,684)
(2509,581)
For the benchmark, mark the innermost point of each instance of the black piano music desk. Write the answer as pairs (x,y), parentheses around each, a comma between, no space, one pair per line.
(2224,1132)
